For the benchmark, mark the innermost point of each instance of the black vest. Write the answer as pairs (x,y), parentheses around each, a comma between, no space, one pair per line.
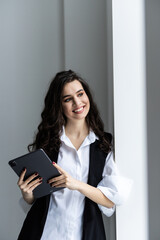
(93,228)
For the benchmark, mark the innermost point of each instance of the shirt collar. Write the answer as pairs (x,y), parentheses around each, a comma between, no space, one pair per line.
(88,140)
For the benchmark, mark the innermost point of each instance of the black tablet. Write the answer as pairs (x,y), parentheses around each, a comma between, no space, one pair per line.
(39,162)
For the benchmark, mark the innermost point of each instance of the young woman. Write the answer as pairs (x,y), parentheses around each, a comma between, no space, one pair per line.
(72,134)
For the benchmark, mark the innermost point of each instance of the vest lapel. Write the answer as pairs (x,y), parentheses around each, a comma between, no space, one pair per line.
(96,165)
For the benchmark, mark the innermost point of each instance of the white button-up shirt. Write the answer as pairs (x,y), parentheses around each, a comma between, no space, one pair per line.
(64,219)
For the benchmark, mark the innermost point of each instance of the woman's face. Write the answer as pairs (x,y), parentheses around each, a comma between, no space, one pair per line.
(75,102)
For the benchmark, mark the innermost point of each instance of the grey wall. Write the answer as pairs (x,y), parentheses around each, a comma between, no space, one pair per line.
(85,44)
(153,113)
(29,57)
(39,38)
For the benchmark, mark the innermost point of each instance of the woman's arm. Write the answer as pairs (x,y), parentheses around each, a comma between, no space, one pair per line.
(93,193)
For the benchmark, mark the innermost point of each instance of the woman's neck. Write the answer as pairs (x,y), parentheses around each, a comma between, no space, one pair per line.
(76,129)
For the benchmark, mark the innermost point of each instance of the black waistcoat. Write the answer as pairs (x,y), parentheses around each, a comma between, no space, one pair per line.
(93,228)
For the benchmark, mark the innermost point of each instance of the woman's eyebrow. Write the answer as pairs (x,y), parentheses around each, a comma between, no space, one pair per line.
(70,95)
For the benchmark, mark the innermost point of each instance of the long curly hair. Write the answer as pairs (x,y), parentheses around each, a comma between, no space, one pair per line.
(53,119)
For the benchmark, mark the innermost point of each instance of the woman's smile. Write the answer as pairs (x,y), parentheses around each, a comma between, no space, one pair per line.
(79,110)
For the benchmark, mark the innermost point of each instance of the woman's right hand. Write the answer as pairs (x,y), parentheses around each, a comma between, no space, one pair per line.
(28,186)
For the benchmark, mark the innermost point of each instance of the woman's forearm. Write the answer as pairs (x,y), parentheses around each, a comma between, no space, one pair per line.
(94,194)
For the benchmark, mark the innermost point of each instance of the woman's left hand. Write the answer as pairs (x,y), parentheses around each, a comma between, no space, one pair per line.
(64,180)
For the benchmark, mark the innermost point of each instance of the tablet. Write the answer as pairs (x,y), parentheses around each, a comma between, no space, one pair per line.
(39,162)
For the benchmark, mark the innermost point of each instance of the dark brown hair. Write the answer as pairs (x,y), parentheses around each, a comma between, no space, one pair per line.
(53,119)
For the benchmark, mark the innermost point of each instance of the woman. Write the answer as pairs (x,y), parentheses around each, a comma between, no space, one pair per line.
(72,134)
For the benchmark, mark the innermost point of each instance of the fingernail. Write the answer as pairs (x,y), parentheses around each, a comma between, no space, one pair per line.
(40,178)
(40,181)
(24,169)
(36,173)
(53,162)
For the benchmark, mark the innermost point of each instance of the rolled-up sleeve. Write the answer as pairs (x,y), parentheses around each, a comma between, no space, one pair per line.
(114,186)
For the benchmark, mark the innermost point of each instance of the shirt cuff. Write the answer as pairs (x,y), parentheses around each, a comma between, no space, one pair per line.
(120,193)
(107,211)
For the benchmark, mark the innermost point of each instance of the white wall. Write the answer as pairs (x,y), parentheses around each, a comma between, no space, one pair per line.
(136,40)
(30,48)
(130,115)
(39,38)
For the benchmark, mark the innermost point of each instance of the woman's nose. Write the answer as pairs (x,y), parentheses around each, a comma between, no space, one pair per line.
(76,101)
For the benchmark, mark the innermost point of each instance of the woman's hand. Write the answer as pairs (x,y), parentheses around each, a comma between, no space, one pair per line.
(28,186)
(64,180)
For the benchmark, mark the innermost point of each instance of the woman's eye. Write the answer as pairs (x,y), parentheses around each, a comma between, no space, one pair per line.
(67,100)
(80,94)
